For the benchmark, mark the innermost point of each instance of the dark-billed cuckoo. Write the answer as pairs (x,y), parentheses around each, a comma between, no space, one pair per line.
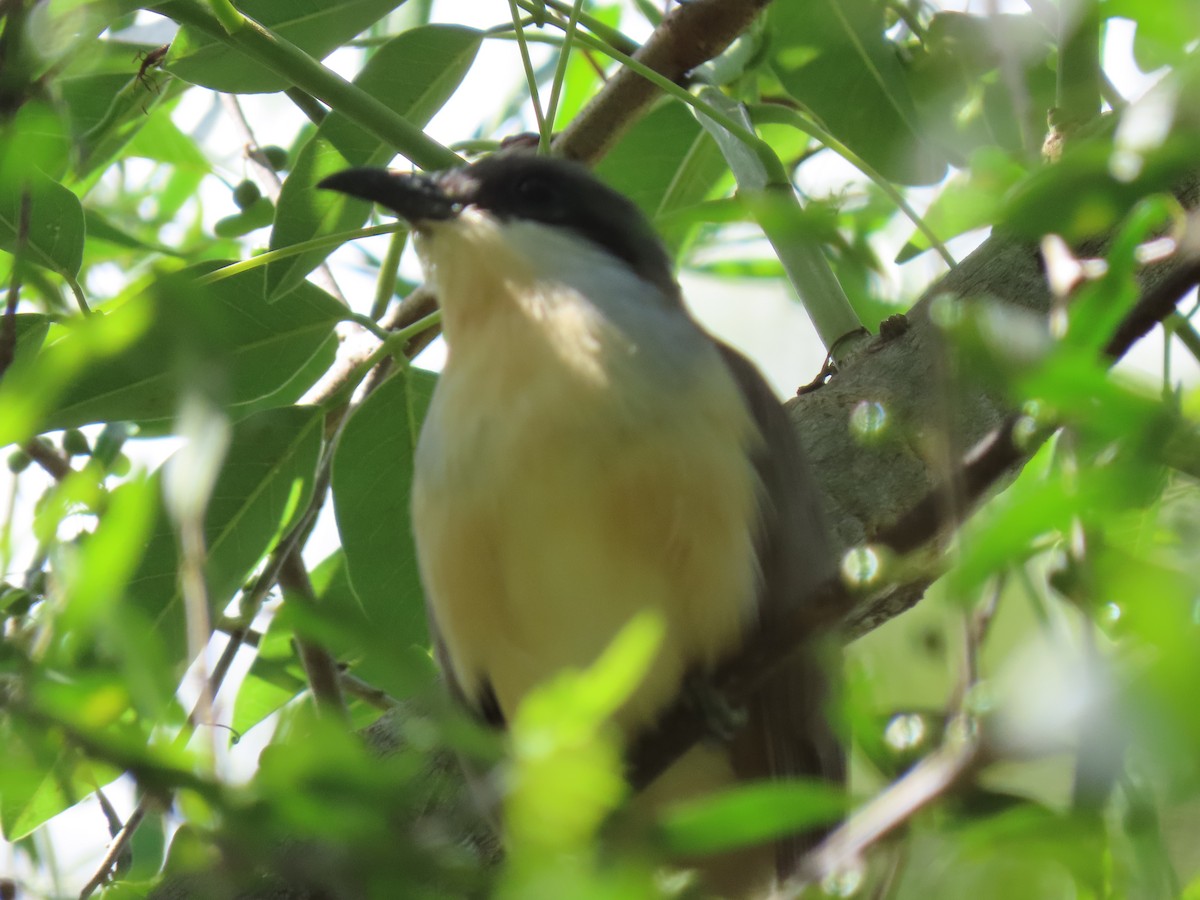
(590,452)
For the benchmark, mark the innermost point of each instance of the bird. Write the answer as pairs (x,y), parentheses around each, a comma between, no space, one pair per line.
(589,452)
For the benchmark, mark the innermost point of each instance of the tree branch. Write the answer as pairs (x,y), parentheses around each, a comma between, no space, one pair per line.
(924,783)
(55,464)
(690,35)
(933,511)
(118,846)
(319,667)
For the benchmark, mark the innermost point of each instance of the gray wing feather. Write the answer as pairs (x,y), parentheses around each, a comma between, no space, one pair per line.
(788,733)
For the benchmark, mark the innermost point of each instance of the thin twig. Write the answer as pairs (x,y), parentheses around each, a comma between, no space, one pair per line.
(1153,308)
(194,588)
(925,782)
(975,625)
(368,693)
(527,63)
(274,182)
(319,667)
(560,73)
(960,755)
(55,464)
(115,849)
(251,603)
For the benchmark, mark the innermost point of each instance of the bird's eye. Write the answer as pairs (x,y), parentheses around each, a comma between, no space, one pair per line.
(535,192)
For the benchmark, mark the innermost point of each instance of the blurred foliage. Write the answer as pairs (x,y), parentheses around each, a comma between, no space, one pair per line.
(1066,627)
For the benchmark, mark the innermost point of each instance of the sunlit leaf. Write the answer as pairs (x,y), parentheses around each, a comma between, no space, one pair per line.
(29,391)
(275,678)
(1091,189)
(750,815)
(96,580)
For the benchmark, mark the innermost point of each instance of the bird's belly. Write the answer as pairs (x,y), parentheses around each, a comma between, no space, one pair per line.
(538,542)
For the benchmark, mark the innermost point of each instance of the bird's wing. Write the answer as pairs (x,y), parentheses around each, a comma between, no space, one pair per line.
(788,733)
(482,702)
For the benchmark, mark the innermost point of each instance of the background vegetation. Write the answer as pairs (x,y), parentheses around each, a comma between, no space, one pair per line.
(184,386)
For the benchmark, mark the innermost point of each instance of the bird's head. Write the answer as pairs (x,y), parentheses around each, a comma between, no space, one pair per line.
(544,198)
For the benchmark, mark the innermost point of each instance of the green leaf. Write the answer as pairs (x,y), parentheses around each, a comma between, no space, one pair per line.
(35,137)
(965,101)
(1007,530)
(1085,193)
(300,383)
(275,678)
(39,777)
(340,622)
(582,78)
(30,330)
(160,139)
(315,26)
(749,815)
(55,236)
(89,97)
(94,579)
(1165,29)
(134,104)
(372,482)
(223,332)
(777,210)
(101,228)
(414,74)
(833,57)
(148,848)
(29,390)
(665,163)
(265,483)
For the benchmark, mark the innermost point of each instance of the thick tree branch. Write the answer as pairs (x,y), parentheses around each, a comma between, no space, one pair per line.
(938,503)
(1159,303)
(936,414)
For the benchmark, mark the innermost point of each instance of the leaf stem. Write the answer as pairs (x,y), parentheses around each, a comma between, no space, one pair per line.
(774,113)
(226,13)
(385,286)
(560,73)
(304,72)
(776,209)
(330,240)
(527,63)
